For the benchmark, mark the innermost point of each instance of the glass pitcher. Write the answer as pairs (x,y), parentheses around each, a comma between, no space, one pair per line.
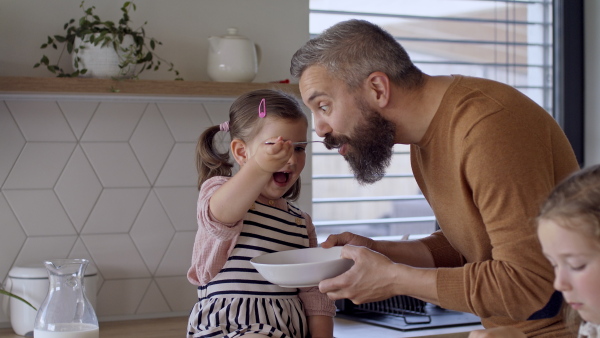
(66,312)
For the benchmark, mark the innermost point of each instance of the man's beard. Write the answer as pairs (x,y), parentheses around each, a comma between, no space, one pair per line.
(371,146)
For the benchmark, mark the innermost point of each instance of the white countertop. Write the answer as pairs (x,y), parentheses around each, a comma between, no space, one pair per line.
(175,327)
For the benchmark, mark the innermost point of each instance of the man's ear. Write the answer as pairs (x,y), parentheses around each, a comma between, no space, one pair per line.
(239,151)
(378,86)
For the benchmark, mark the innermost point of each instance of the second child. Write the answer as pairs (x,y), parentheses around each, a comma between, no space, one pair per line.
(568,228)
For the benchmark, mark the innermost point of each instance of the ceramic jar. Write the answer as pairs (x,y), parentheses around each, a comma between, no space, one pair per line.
(232,58)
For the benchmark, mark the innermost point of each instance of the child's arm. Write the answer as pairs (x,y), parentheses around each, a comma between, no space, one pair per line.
(320,326)
(231,202)
(320,322)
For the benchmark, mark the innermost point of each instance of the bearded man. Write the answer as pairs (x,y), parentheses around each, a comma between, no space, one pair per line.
(484,155)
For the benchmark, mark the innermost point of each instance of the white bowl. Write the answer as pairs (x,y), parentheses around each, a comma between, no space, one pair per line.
(302,267)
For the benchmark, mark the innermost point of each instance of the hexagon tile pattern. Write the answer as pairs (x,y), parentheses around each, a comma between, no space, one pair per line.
(110,180)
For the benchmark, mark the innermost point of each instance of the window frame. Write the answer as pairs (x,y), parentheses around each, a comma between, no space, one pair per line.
(569,73)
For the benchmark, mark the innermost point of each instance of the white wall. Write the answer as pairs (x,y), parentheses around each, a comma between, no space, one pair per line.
(592,82)
(279,27)
(99,194)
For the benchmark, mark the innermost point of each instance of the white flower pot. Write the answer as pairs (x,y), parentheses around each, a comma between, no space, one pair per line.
(102,62)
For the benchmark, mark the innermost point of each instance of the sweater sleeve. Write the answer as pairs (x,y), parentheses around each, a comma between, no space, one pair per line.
(509,169)
(218,230)
(444,255)
(214,240)
(315,302)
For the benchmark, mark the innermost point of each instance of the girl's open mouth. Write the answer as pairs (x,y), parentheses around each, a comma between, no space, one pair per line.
(281,177)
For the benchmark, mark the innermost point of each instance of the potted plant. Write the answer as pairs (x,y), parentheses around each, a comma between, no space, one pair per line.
(133,51)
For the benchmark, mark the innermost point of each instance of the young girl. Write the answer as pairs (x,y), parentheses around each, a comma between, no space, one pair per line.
(569,231)
(248,214)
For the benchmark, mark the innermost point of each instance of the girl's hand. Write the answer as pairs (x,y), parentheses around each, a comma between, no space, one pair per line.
(272,157)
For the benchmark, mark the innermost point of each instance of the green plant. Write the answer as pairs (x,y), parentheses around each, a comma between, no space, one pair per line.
(4,292)
(90,28)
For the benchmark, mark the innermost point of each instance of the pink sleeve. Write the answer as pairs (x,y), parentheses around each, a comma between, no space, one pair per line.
(315,302)
(214,240)
(217,230)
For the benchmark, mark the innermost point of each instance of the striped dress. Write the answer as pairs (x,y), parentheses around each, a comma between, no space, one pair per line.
(238,299)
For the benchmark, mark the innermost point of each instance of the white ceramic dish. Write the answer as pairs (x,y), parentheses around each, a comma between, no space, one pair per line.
(302,267)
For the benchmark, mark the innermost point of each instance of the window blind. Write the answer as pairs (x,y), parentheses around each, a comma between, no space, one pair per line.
(506,41)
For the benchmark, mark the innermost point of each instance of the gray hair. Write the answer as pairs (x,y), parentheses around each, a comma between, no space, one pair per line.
(352,50)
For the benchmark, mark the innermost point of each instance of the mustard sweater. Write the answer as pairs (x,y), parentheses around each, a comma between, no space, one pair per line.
(486,163)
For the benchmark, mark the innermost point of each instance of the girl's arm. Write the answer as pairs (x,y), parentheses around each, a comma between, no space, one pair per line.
(320,322)
(320,326)
(230,203)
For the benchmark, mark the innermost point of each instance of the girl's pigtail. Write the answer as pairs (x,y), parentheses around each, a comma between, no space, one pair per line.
(209,162)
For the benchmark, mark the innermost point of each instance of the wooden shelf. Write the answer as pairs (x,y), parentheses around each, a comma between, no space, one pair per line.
(54,85)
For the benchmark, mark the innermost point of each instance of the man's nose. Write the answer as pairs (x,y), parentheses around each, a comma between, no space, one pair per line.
(322,128)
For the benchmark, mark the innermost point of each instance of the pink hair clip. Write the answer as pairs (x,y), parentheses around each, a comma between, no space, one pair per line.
(262,108)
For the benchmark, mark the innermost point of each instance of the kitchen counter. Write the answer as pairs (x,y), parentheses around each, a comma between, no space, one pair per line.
(174,327)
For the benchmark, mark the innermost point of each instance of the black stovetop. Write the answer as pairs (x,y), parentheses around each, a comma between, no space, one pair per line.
(428,316)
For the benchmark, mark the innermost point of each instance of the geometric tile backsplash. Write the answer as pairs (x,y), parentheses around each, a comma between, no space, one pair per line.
(111,179)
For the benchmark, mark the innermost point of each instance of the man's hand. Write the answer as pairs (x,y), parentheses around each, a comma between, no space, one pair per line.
(372,277)
(347,238)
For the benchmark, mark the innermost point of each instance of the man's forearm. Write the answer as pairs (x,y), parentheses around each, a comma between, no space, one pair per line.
(413,253)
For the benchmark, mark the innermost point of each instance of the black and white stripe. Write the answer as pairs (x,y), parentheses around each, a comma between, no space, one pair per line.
(239,300)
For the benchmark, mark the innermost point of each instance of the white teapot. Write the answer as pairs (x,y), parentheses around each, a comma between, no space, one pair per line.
(232,58)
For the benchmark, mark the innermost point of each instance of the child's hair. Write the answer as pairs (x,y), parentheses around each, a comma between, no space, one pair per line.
(245,123)
(575,203)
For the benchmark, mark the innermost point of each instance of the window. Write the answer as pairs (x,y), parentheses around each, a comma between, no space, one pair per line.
(507,41)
